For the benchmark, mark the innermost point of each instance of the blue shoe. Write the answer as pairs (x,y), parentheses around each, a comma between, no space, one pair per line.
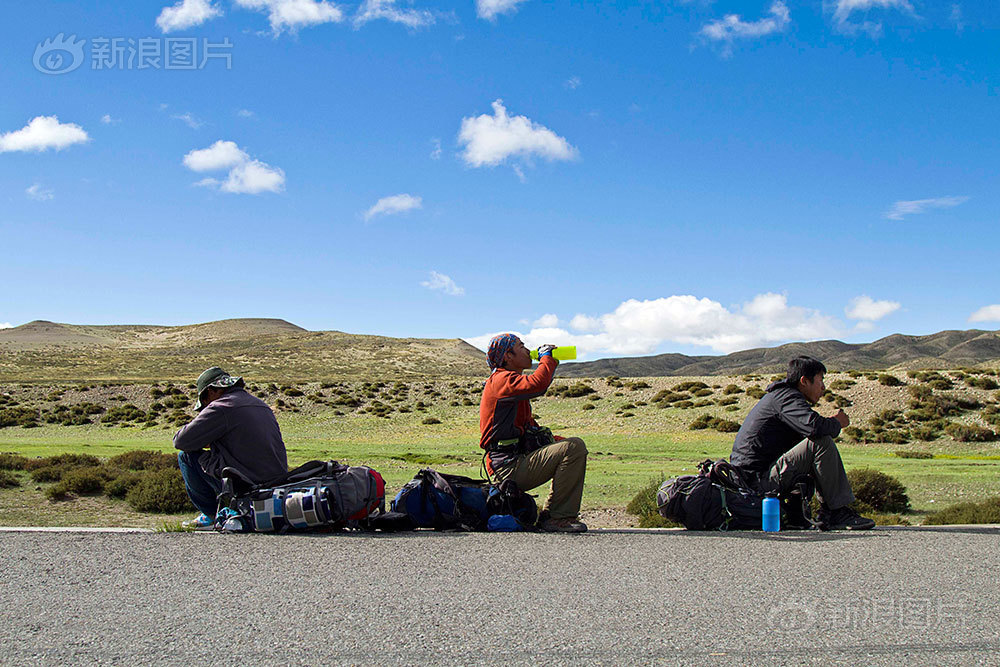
(200,522)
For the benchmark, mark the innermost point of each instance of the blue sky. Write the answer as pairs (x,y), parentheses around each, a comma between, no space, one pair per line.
(633,177)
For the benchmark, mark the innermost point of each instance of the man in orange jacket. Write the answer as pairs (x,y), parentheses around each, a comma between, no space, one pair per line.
(516,447)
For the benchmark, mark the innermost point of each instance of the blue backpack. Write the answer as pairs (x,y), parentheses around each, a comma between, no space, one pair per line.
(444,502)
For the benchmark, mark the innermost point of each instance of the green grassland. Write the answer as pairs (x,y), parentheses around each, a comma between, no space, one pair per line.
(632,437)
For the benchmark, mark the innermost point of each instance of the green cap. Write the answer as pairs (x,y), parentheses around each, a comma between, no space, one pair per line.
(215,377)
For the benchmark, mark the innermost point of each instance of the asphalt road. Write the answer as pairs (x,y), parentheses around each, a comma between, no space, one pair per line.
(892,597)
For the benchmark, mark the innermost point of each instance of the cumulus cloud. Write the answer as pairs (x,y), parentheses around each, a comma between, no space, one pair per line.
(294,14)
(39,193)
(41,134)
(986,314)
(490,9)
(189,120)
(641,327)
(866,308)
(372,10)
(6,325)
(186,14)
(844,9)
(220,155)
(395,204)
(901,209)
(547,320)
(490,140)
(246,175)
(731,27)
(442,283)
(108,120)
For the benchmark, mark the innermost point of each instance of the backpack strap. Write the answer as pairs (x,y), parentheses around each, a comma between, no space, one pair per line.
(727,516)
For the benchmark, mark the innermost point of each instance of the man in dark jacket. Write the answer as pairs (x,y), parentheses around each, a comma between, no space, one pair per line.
(233,429)
(784,438)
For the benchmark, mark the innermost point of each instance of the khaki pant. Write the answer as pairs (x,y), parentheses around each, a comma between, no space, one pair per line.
(819,459)
(565,463)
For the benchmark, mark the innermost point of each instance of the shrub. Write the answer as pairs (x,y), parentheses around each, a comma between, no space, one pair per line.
(160,491)
(889,380)
(140,459)
(431,420)
(643,505)
(940,383)
(701,393)
(730,400)
(970,433)
(925,433)
(85,460)
(8,479)
(26,417)
(987,511)
(755,392)
(292,391)
(120,486)
(732,389)
(12,461)
(82,481)
(982,383)
(587,406)
(840,385)
(574,390)
(880,491)
(720,425)
(904,454)
(689,386)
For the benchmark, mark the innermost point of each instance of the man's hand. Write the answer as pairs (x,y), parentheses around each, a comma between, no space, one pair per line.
(842,417)
(545,350)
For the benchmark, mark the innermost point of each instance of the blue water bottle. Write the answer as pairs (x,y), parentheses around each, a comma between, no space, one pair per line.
(772,514)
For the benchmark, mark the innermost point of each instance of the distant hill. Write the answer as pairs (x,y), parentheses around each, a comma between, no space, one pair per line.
(947,349)
(264,349)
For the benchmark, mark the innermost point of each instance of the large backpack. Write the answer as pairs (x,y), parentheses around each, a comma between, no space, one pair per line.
(314,495)
(444,502)
(722,497)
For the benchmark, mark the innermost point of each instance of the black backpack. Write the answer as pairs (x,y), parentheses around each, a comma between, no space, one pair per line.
(723,497)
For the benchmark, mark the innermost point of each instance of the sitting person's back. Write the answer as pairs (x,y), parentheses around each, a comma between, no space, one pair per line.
(232,430)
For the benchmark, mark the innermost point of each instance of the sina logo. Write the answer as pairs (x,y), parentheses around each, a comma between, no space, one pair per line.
(59,55)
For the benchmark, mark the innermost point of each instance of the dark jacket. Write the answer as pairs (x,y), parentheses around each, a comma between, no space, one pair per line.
(241,432)
(778,422)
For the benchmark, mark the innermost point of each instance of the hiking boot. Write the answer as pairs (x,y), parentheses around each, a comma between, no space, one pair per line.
(200,522)
(563,526)
(843,518)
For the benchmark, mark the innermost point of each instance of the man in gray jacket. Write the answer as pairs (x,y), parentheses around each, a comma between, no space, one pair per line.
(784,438)
(233,429)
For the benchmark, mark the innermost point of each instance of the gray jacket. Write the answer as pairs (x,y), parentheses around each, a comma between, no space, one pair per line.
(241,432)
(778,422)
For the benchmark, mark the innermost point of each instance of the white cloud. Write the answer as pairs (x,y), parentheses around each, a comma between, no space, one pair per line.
(393,205)
(547,320)
(986,314)
(901,209)
(246,113)
(442,283)
(108,120)
(584,323)
(41,134)
(39,193)
(436,150)
(731,27)
(573,83)
(6,325)
(641,327)
(246,175)
(220,155)
(489,140)
(866,308)
(372,10)
(489,9)
(294,14)
(189,120)
(957,19)
(845,8)
(186,14)
(254,177)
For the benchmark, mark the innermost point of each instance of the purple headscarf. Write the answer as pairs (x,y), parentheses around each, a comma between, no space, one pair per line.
(499,347)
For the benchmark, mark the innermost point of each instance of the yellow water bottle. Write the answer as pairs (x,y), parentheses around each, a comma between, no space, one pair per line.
(562,353)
